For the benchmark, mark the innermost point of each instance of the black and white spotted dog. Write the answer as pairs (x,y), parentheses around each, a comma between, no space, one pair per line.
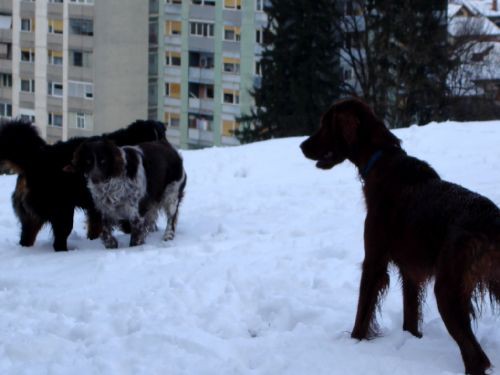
(132,183)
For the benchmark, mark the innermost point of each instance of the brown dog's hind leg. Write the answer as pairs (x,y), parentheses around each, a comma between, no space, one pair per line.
(374,281)
(412,293)
(454,306)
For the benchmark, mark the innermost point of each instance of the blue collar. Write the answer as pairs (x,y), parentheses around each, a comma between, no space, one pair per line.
(368,167)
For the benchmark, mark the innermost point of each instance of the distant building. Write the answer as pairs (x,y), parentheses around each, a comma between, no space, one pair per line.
(83,67)
(479,22)
(208,61)
(74,67)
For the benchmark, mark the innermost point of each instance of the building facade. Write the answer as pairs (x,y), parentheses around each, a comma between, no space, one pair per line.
(74,67)
(208,63)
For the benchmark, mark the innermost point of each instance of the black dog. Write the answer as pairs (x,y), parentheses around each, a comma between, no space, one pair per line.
(425,226)
(46,194)
(132,183)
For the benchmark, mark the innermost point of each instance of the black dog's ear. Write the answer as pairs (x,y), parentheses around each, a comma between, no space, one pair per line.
(69,169)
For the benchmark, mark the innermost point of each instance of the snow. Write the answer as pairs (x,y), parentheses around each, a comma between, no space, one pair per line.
(261,279)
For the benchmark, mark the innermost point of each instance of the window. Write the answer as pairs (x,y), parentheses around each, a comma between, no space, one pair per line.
(28,85)
(81,26)
(5,51)
(173,1)
(80,89)
(81,58)
(27,24)
(55,57)
(56,1)
(231,96)
(204,2)
(258,68)
(259,5)
(5,80)
(55,89)
(56,26)
(173,28)
(84,2)
(80,120)
(55,119)
(228,127)
(202,29)
(232,33)
(231,65)
(5,110)
(259,36)
(173,58)
(27,55)
(172,119)
(173,90)
(347,74)
(232,4)
(27,118)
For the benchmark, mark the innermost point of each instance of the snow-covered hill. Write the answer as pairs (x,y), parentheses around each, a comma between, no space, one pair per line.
(261,279)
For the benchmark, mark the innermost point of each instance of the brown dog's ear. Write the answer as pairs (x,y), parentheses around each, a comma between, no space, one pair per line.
(348,124)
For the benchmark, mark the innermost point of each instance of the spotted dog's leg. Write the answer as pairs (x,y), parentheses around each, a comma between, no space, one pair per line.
(107,237)
(172,199)
(138,233)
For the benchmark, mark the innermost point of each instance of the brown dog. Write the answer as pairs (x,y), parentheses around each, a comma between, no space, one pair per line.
(425,226)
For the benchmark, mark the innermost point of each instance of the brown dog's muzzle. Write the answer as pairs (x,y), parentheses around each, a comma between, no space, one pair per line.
(314,150)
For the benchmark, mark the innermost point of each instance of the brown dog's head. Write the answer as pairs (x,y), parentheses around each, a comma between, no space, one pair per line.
(98,161)
(348,130)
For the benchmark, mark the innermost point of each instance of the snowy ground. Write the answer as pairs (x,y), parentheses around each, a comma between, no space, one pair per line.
(262,277)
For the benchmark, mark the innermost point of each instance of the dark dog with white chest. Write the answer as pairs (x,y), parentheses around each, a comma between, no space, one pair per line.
(132,183)
(425,226)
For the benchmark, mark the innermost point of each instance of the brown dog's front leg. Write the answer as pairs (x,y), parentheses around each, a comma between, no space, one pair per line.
(374,281)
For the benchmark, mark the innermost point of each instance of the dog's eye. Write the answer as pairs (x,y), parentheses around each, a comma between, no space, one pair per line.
(102,161)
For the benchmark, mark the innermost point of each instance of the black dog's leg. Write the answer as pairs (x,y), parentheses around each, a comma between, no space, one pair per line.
(94,223)
(62,224)
(411,306)
(454,307)
(29,230)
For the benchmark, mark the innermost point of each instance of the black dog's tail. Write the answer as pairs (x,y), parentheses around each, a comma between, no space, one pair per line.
(20,143)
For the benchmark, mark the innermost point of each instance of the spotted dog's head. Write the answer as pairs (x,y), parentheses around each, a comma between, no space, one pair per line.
(98,161)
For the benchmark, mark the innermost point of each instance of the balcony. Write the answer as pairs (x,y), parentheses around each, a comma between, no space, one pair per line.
(27,69)
(174,71)
(83,42)
(200,137)
(6,93)
(231,78)
(55,72)
(6,35)
(233,109)
(173,39)
(55,10)
(6,65)
(173,9)
(201,75)
(172,102)
(201,105)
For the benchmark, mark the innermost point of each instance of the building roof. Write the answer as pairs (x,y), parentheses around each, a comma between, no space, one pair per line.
(479,7)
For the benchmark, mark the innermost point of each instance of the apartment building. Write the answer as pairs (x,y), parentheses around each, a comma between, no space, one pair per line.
(74,67)
(209,54)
